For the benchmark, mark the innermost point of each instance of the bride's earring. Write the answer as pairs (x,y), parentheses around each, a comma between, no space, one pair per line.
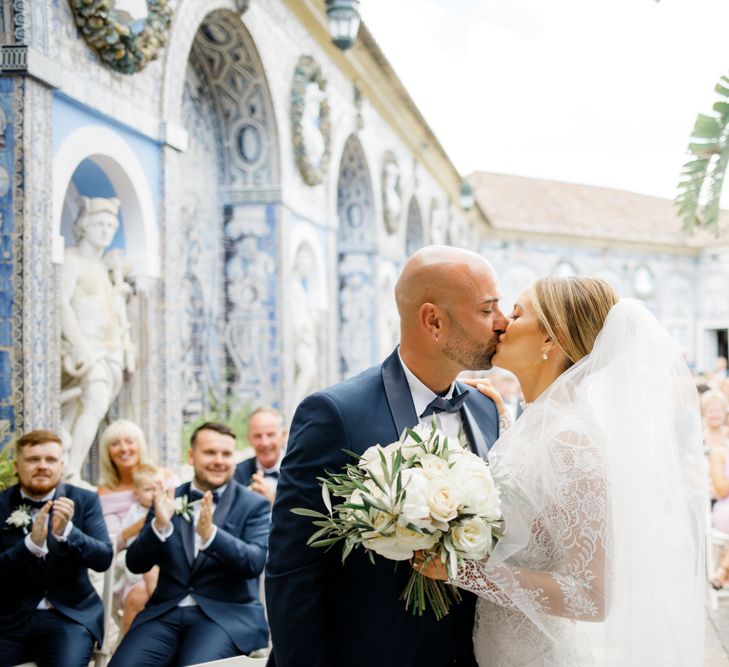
(544,356)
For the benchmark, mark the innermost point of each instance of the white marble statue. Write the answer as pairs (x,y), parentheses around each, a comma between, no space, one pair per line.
(96,346)
(310,124)
(392,201)
(305,319)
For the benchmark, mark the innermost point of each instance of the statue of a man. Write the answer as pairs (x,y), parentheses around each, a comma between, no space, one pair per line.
(96,346)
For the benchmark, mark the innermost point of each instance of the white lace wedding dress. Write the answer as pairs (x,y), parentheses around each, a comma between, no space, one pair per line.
(603,495)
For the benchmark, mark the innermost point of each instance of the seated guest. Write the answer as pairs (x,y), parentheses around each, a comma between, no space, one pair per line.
(138,587)
(210,547)
(122,449)
(51,534)
(267,435)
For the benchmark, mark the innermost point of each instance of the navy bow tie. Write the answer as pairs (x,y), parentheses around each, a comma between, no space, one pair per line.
(271,473)
(440,404)
(196,495)
(33,504)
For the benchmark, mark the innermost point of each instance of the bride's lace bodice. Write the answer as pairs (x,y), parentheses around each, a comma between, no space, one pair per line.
(550,568)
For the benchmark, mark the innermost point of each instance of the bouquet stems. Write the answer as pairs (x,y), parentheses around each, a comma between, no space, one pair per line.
(421,592)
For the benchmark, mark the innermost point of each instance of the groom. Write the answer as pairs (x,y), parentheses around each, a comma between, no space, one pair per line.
(323,613)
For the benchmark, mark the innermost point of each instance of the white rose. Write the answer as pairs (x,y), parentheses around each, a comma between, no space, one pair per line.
(415,509)
(480,495)
(372,461)
(472,537)
(352,514)
(443,499)
(434,467)
(413,539)
(384,541)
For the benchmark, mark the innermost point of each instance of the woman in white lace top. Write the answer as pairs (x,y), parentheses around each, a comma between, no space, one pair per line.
(603,491)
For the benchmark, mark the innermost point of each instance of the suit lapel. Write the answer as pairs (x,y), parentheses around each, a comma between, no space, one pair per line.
(473,433)
(186,528)
(398,394)
(481,427)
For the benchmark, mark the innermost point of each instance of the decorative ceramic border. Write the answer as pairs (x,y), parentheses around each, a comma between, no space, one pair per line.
(118,47)
(308,71)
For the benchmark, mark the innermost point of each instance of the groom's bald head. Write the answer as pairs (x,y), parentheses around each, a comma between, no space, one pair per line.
(447,299)
(438,275)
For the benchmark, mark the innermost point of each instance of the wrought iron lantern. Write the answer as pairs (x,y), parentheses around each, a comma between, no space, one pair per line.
(344,19)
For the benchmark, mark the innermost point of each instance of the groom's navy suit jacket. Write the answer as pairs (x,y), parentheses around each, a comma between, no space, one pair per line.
(323,613)
(62,576)
(222,579)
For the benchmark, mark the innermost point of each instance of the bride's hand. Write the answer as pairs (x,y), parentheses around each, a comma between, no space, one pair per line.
(487,389)
(429,565)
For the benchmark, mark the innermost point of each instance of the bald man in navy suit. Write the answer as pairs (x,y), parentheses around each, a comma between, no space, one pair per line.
(324,613)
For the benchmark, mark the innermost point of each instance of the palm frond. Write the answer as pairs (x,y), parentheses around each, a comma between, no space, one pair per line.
(702,176)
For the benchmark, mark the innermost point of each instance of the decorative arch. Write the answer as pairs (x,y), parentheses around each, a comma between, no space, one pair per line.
(414,235)
(113,155)
(230,184)
(227,60)
(356,252)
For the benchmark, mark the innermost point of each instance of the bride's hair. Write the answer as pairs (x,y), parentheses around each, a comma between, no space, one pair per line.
(571,311)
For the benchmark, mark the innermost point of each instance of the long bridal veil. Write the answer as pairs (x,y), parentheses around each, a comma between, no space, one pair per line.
(605,501)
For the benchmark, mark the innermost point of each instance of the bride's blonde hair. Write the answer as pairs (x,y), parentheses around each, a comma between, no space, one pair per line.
(571,311)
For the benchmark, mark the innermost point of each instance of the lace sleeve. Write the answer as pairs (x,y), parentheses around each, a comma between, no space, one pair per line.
(505,421)
(568,532)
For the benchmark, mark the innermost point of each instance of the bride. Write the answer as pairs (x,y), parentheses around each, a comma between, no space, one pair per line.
(603,491)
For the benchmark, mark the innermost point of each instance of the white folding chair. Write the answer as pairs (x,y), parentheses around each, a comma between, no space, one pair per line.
(238,661)
(716,542)
(102,654)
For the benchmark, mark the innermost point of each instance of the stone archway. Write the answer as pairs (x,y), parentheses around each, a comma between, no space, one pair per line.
(229,188)
(356,249)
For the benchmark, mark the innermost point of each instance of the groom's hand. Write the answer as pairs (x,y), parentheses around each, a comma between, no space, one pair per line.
(430,565)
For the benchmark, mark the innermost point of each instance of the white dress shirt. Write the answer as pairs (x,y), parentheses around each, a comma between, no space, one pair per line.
(189,601)
(448,422)
(42,550)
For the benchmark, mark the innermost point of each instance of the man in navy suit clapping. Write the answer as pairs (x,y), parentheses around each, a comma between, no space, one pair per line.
(210,546)
(50,535)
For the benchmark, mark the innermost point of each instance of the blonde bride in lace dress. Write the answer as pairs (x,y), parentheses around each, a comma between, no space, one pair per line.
(603,491)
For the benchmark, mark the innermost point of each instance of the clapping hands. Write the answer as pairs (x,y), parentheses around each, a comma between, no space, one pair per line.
(204,525)
(164,508)
(63,509)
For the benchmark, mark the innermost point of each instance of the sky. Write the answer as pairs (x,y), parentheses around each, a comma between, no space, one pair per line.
(595,92)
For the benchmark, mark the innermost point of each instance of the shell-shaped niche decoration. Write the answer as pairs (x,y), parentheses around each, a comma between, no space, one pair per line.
(127,34)
(310,121)
(391,193)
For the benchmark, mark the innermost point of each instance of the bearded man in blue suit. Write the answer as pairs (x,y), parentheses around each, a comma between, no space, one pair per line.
(50,535)
(210,548)
(324,613)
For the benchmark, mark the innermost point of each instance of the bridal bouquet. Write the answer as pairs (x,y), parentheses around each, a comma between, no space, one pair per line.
(423,492)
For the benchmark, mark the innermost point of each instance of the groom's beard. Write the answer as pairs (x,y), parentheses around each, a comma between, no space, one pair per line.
(469,352)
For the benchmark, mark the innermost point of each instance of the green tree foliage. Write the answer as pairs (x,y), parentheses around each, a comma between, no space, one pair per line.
(702,177)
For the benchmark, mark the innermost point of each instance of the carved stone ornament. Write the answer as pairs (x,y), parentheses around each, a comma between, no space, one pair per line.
(126,46)
(310,122)
(391,193)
